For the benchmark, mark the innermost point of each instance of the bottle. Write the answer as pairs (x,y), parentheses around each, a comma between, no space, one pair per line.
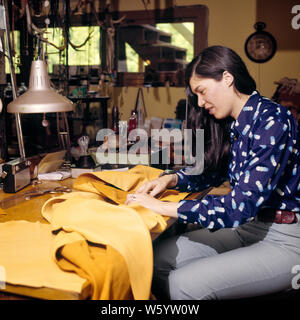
(132,121)
(115,119)
(131,126)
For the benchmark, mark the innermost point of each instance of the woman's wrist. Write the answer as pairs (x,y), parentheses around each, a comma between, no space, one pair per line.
(169,209)
(174,180)
(171,180)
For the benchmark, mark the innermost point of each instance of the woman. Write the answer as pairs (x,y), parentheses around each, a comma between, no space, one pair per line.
(250,241)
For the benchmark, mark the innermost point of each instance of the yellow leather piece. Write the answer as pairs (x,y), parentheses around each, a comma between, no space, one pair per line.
(85,215)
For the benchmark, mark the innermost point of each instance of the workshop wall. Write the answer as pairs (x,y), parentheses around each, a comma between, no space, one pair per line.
(278,17)
(230,23)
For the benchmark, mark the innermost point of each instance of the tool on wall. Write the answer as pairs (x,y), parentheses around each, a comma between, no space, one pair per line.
(33,29)
(108,25)
(142,114)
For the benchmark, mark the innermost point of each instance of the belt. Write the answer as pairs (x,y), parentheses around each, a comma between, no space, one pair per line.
(277,216)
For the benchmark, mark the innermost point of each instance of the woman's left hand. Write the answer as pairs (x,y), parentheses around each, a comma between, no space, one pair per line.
(147,201)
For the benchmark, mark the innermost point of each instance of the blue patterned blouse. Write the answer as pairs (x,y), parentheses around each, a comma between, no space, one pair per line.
(264,169)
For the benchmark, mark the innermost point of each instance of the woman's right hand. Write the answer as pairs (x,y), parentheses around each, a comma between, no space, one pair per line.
(157,186)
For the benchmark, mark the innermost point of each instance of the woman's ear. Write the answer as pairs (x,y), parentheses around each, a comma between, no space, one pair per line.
(228,78)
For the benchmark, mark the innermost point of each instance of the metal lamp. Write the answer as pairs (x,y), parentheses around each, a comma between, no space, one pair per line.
(39,98)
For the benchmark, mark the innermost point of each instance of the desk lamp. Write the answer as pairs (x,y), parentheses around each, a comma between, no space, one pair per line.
(39,98)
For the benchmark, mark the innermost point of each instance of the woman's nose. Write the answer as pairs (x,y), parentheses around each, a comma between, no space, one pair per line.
(200,101)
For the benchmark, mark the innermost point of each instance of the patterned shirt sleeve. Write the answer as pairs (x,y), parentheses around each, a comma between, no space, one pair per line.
(270,147)
(196,183)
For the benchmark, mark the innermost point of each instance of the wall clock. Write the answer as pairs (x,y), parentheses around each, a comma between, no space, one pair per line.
(260,46)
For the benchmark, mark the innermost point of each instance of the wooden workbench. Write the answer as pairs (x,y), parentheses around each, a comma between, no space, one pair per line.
(30,210)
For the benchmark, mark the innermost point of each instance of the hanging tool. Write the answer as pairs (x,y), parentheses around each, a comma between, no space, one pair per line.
(138,106)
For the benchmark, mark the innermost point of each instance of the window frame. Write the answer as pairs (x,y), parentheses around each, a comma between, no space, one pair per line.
(198,14)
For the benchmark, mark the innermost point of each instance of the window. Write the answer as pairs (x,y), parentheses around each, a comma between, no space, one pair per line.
(132,59)
(182,36)
(87,55)
(16,58)
(154,46)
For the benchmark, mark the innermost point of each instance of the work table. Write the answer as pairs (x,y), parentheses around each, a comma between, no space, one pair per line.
(30,210)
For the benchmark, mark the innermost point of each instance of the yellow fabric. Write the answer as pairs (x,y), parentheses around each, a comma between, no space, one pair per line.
(102,266)
(127,180)
(103,223)
(97,214)
(25,249)
(115,185)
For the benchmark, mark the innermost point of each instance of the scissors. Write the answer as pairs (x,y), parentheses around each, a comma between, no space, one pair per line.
(39,192)
(18,198)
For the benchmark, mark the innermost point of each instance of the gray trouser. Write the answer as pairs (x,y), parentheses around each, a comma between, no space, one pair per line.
(254,259)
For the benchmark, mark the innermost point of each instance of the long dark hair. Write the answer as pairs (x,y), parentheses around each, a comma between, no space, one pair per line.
(211,63)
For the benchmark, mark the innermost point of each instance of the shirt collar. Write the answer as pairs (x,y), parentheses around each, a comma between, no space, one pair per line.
(246,117)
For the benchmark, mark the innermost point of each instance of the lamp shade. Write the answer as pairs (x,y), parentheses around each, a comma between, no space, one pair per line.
(40,97)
